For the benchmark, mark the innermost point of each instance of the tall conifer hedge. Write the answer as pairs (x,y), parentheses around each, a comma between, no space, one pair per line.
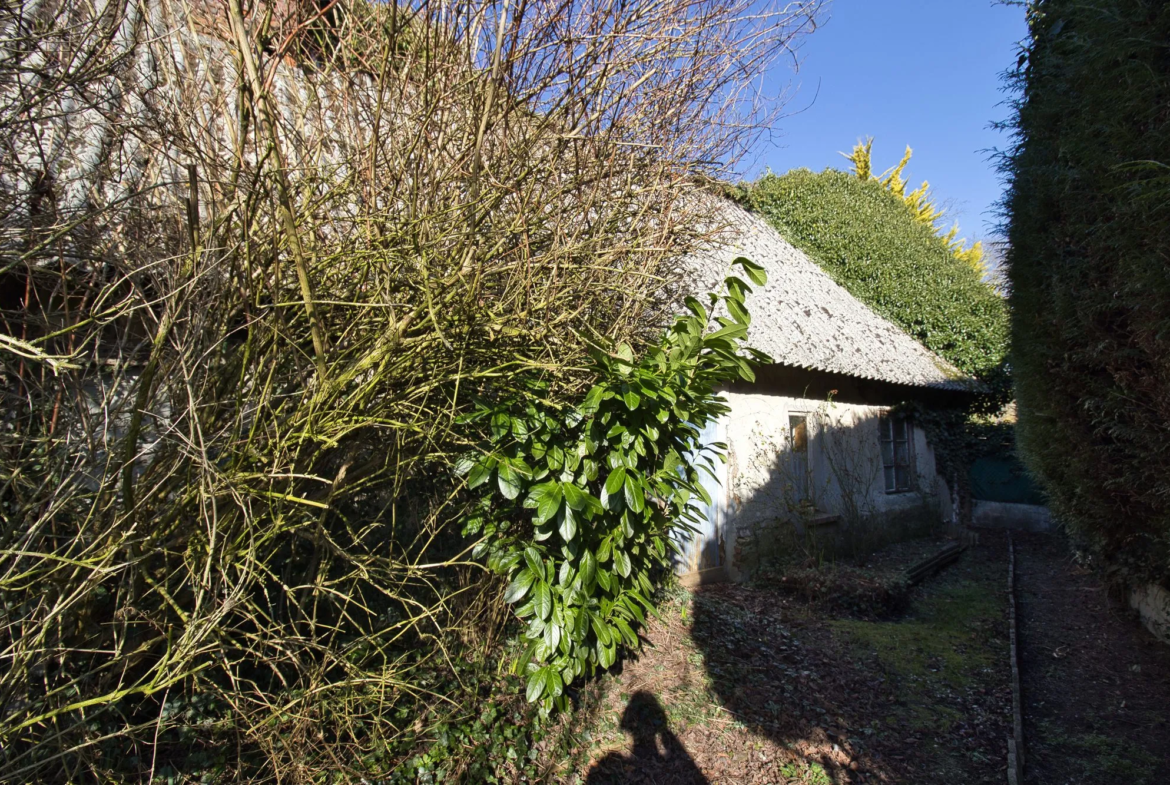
(1089,211)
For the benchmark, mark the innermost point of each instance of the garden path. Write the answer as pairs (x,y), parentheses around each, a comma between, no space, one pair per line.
(1095,683)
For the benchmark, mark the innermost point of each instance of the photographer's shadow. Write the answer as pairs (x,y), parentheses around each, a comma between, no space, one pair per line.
(645,720)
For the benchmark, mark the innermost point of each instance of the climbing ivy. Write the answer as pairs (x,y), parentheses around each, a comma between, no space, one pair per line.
(580,506)
(870,242)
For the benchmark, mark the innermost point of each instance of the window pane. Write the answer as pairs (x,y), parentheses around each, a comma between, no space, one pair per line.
(798,436)
(887,453)
(903,478)
(901,453)
(890,485)
(899,427)
(799,426)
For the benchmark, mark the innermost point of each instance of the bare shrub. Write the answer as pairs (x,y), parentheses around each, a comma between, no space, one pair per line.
(256,263)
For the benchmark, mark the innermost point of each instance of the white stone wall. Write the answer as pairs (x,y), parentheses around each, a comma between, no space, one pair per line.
(762,518)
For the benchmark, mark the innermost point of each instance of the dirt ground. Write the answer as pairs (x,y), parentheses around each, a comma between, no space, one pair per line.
(1095,684)
(764,685)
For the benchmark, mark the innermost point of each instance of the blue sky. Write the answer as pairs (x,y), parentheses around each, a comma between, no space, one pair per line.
(921,72)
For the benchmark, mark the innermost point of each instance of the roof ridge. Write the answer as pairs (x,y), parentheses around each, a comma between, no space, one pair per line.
(807,319)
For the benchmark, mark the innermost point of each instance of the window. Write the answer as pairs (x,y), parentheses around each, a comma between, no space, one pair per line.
(896,458)
(798,454)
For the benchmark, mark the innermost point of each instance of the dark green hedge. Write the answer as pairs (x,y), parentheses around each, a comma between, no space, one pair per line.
(868,241)
(1089,211)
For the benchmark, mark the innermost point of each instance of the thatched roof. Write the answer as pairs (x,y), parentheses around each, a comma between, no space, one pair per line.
(804,319)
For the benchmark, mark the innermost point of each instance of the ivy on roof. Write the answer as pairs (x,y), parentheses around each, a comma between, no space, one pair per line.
(869,242)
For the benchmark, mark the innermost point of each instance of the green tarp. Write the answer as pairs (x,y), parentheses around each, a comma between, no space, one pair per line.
(1003,480)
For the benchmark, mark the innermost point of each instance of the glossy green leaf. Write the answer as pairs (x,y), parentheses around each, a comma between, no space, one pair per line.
(501,425)
(568,524)
(555,458)
(519,428)
(588,567)
(615,480)
(519,586)
(634,495)
(543,598)
(632,399)
(611,502)
(478,475)
(547,499)
(731,332)
(464,464)
(621,561)
(755,272)
(537,682)
(552,636)
(627,632)
(634,608)
(601,630)
(534,560)
(737,288)
(574,496)
(696,308)
(554,685)
(509,481)
(593,399)
(738,312)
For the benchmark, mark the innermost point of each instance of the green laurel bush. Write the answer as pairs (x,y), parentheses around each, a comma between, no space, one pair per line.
(581,507)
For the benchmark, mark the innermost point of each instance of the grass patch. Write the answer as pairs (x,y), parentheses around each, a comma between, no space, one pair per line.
(1092,757)
(810,773)
(941,639)
(940,659)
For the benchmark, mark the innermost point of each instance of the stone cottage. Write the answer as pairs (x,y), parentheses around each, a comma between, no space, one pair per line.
(820,456)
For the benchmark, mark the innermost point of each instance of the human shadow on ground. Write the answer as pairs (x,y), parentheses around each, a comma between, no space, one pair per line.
(645,720)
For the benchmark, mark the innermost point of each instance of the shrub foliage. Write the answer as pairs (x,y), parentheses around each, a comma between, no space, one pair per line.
(582,501)
(1090,280)
(920,201)
(248,288)
(870,242)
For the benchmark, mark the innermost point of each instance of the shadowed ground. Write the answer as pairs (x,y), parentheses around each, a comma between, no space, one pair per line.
(762,685)
(656,757)
(1096,685)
